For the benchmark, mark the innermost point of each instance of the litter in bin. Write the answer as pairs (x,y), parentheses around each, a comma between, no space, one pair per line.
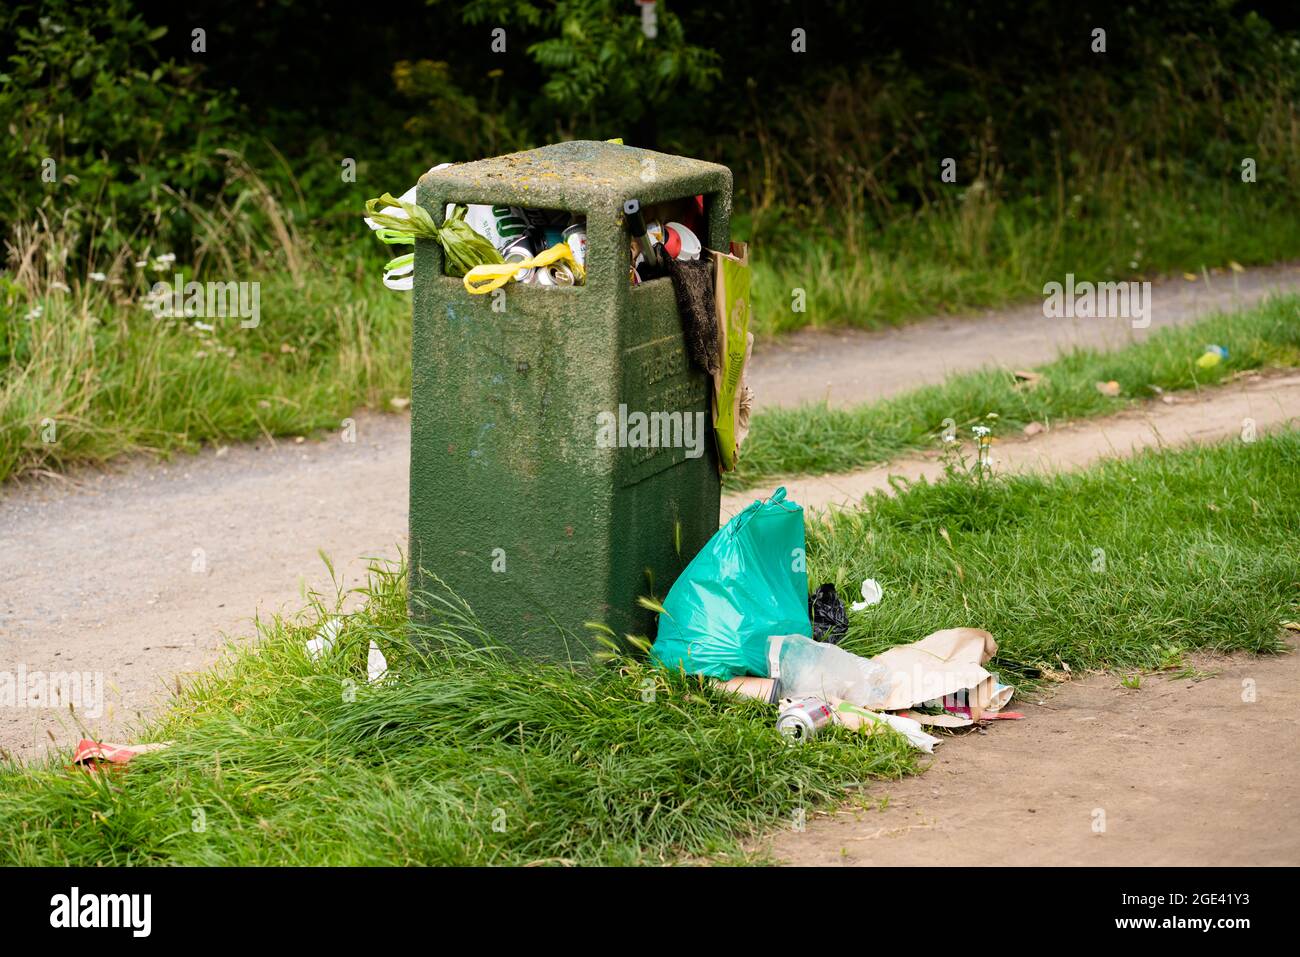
(505,227)
(746,584)
(830,622)
(662,234)
(479,234)
(548,246)
(649,259)
(556,266)
(871,594)
(682,243)
(576,238)
(693,289)
(464,248)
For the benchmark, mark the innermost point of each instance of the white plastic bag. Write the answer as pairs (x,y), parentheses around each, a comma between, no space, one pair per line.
(815,669)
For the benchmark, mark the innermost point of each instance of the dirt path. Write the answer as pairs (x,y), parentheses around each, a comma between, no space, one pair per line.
(1267,401)
(1175,772)
(135,574)
(849,366)
(1090,775)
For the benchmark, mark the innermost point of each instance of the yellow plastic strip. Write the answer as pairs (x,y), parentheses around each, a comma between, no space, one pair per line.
(484,279)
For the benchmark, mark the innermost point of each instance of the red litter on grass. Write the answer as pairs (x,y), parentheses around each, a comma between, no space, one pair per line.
(90,755)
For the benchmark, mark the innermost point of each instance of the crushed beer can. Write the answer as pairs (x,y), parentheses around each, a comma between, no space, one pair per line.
(520,250)
(801,719)
(556,274)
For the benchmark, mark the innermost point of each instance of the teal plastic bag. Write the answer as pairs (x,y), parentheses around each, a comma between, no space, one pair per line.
(748,583)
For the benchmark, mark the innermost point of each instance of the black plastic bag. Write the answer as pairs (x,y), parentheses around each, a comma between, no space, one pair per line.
(830,620)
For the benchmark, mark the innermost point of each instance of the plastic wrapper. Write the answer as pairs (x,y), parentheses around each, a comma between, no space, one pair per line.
(806,668)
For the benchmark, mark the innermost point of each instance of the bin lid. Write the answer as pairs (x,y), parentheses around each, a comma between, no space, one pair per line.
(579,175)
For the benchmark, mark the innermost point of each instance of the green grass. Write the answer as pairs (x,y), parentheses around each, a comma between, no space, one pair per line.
(1129,564)
(113,379)
(814,438)
(569,767)
(281,764)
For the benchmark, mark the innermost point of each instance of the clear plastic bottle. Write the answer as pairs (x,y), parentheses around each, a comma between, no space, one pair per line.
(807,668)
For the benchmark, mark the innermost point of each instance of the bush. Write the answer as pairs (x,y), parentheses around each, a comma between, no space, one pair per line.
(103,136)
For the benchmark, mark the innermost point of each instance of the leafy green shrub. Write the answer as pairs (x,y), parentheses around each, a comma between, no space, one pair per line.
(101,132)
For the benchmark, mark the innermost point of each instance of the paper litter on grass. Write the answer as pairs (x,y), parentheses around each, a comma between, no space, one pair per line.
(90,753)
(323,643)
(871,594)
(376,664)
(860,719)
(941,665)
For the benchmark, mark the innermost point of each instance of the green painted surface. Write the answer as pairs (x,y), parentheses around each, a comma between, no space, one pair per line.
(505,463)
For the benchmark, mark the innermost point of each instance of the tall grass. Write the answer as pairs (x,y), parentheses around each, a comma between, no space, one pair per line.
(980,251)
(91,370)
(87,373)
(466,757)
(89,378)
(1104,174)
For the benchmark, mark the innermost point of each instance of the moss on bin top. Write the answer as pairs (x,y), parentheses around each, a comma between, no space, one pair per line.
(578,175)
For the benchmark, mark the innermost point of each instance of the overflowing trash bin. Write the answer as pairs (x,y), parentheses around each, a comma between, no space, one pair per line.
(563,454)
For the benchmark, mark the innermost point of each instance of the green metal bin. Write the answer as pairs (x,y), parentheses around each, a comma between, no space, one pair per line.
(515,506)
